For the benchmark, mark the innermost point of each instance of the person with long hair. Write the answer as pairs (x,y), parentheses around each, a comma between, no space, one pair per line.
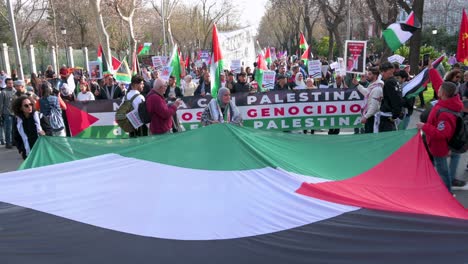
(26,125)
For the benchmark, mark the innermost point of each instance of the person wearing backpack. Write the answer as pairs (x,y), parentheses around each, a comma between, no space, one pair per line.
(51,107)
(439,130)
(136,88)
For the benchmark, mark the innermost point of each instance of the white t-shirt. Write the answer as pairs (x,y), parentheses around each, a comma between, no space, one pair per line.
(136,101)
(88,96)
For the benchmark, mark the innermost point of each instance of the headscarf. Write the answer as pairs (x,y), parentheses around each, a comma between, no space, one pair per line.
(221,93)
(300,84)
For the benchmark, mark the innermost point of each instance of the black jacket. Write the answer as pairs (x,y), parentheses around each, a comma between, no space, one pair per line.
(241,87)
(392,100)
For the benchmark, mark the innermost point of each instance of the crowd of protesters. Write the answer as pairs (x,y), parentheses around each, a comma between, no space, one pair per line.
(384,108)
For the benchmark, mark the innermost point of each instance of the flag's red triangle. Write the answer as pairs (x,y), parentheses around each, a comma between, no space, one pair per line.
(405,182)
(78,120)
(410,19)
(305,55)
(216,47)
(116,63)
(261,63)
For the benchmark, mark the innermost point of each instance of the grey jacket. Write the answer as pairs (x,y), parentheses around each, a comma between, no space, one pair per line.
(6,99)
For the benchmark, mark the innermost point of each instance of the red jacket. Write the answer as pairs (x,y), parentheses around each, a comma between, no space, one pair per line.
(439,129)
(161,114)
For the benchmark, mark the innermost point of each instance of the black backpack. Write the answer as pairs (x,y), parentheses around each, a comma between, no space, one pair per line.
(145,117)
(459,141)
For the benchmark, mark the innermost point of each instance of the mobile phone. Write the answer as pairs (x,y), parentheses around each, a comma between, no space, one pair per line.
(426,59)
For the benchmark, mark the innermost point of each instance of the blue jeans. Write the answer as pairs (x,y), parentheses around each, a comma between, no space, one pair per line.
(7,124)
(447,169)
(453,165)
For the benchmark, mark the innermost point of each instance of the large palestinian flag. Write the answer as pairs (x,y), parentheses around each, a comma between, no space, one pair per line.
(225,194)
(398,34)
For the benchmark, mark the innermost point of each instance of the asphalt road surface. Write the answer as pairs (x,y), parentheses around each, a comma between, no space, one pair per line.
(10,160)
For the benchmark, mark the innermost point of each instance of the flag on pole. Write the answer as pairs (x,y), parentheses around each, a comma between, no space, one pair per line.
(303,42)
(462,49)
(419,82)
(102,58)
(174,62)
(398,34)
(261,67)
(115,64)
(143,49)
(306,56)
(267,57)
(216,64)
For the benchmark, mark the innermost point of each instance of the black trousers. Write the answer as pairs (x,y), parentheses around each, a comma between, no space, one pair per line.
(386,124)
(369,125)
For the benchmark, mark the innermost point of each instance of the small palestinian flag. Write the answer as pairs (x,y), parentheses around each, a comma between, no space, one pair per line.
(267,56)
(398,34)
(217,63)
(280,200)
(302,42)
(174,62)
(307,55)
(143,49)
(419,82)
(261,67)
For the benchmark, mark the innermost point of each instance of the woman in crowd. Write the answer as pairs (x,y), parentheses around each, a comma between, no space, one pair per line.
(85,94)
(221,110)
(310,84)
(51,107)
(299,82)
(26,126)
(188,87)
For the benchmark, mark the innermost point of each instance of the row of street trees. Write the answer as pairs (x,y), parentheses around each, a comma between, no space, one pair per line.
(118,24)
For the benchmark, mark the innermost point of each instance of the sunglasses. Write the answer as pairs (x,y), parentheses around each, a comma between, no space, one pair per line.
(27,105)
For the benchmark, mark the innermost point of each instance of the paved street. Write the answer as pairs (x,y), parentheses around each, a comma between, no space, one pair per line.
(10,160)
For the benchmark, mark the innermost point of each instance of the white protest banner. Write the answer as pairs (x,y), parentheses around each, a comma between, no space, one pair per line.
(315,68)
(239,44)
(236,66)
(198,63)
(157,62)
(396,58)
(269,79)
(355,56)
(166,73)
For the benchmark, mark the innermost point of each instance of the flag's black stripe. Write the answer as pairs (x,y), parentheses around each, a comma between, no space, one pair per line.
(363,236)
(406,27)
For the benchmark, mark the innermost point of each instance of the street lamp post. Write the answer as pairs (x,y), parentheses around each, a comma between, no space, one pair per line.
(63,30)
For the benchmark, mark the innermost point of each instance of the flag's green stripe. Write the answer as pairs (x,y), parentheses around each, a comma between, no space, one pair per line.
(392,39)
(415,93)
(227,148)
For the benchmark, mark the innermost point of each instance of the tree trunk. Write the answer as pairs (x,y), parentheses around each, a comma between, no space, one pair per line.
(339,42)
(96,7)
(330,45)
(415,42)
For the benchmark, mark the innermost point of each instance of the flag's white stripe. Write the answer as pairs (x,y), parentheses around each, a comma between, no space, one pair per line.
(156,200)
(402,35)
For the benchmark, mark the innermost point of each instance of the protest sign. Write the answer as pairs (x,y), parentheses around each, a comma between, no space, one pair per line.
(355,56)
(236,66)
(396,58)
(157,62)
(95,70)
(166,73)
(269,79)
(315,68)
